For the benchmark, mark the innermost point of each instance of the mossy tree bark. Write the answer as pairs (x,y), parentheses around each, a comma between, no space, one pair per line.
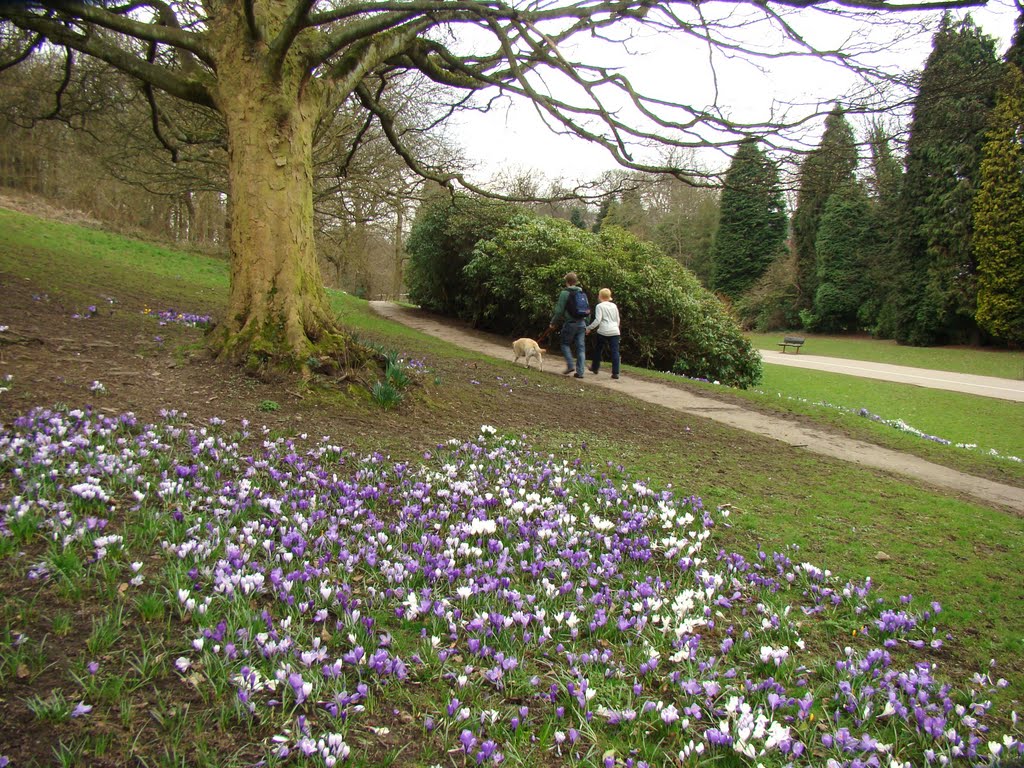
(278,313)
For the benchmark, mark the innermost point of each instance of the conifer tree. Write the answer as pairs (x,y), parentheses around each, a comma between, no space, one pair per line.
(827,168)
(602,213)
(934,288)
(752,227)
(846,240)
(1015,53)
(999,216)
(578,218)
(883,187)
(886,171)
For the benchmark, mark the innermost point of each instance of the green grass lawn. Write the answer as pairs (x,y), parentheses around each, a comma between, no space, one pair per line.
(992,429)
(988,423)
(1003,363)
(104,263)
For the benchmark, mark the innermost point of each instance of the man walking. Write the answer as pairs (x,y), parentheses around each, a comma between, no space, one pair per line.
(571,311)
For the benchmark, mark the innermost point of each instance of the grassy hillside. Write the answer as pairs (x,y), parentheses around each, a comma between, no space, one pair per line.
(503,564)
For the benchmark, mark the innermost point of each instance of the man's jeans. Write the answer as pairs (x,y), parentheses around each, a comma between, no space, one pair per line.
(574,333)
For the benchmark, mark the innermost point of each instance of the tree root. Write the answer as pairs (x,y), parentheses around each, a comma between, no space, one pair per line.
(265,352)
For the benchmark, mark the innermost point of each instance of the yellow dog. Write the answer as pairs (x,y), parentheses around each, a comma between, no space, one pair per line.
(529,349)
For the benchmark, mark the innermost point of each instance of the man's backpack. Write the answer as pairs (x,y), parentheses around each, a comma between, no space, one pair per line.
(577,305)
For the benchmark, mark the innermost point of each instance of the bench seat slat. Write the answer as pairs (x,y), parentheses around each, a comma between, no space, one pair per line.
(791,341)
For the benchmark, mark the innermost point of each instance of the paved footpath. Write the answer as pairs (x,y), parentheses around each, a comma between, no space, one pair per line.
(986,386)
(808,437)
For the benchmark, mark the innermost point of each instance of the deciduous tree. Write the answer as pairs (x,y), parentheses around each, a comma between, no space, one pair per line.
(685,222)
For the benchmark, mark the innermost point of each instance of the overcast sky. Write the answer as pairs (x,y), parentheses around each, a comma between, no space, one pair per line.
(512,137)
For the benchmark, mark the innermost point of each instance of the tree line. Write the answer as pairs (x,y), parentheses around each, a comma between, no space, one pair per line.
(914,235)
(910,243)
(925,251)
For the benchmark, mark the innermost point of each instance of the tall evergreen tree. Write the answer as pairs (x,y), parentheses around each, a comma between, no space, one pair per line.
(827,168)
(883,183)
(602,213)
(934,290)
(578,218)
(999,216)
(846,241)
(752,227)
(1015,53)
(886,171)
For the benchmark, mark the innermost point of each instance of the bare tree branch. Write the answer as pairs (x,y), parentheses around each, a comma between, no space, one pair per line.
(877,5)
(154,111)
(69,65)
(167,16)
(446,178)
(19,58)
(516,49)
(286,36)
(92,13)
(188,89)
(368,55)
(352,33)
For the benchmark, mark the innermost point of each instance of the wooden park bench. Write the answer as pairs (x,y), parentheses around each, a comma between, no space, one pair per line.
(792,341)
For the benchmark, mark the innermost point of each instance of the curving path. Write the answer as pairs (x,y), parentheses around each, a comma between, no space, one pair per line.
(986,386)
(814,440)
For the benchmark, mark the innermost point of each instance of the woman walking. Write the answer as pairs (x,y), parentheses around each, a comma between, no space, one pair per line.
(606,321)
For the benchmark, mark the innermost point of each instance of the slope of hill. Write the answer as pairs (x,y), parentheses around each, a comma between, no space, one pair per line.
(280,572)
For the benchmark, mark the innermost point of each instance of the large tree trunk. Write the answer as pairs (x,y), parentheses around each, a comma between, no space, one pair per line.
(278,313)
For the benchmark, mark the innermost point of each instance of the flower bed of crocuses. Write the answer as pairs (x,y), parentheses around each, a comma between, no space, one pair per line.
(168,316)
(513,607)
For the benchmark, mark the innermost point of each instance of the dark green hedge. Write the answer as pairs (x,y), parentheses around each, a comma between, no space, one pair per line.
(511,281)
(441,243)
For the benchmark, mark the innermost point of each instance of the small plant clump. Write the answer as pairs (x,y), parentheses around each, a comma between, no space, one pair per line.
(399,375)
(89,312)
(512,607)
(385,394)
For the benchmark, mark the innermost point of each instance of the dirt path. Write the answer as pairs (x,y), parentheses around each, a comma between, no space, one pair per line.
(814,440)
